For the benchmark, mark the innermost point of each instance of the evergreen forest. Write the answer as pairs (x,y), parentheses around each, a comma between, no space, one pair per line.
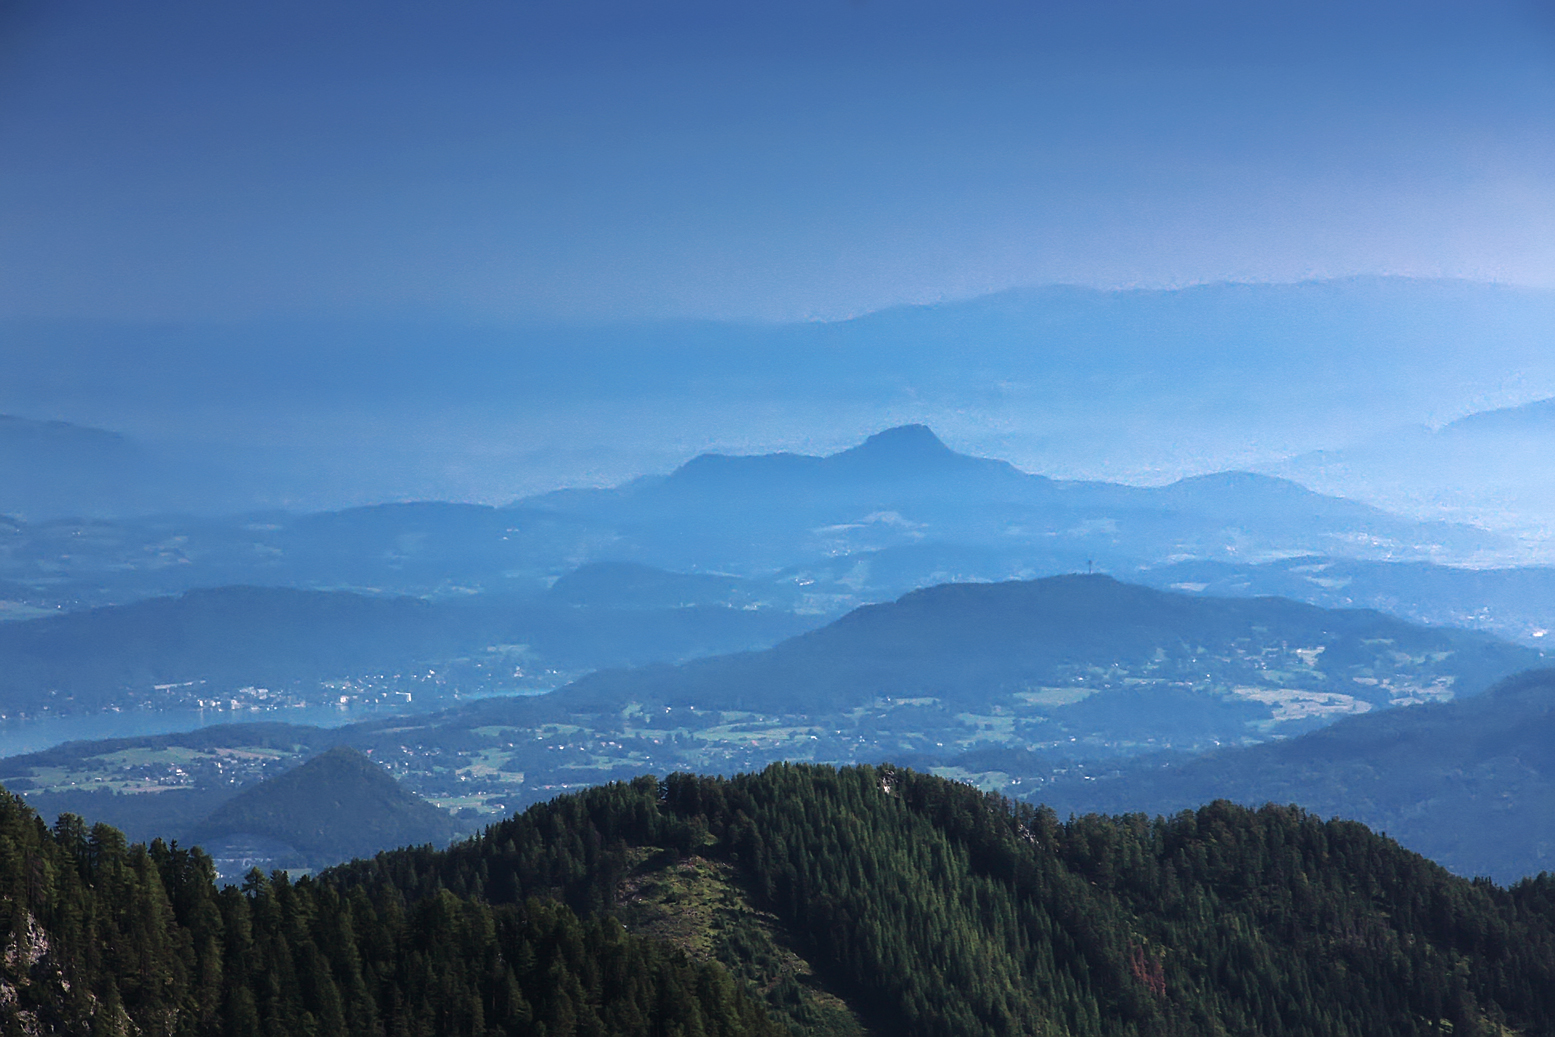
(104,938)
(802,899)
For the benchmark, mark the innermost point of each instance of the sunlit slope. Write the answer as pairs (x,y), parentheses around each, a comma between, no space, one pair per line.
(867,899)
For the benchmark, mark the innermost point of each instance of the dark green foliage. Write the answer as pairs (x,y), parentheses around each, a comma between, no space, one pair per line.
(945,911)
(338,805)
(100,937)
(936,910)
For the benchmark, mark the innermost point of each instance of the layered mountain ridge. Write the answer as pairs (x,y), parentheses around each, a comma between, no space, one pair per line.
(976,644)
(1469,783)
(1010,686)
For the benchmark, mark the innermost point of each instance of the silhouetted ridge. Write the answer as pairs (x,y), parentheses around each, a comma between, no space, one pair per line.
(1538,415)
(1236,495)
(901,454)
(17,431)
(903,445)
(1243,482)
(226,635)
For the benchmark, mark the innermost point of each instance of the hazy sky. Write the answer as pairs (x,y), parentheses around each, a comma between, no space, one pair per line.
(739,158)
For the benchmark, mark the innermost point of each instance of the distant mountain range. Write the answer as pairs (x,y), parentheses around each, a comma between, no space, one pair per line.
(1009,686)
(545,590)
(817,529)
(1085,656)
(1517,603)
(48,468)
(314,804)
(903,487)
(1136,385)
(1469,783)
(1490,468)
(205,645)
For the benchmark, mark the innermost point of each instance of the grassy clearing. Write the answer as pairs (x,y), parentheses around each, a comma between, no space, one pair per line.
(1058,696)
(701,907)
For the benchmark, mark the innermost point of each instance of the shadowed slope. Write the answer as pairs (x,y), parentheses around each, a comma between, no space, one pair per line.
(339,804)
(1470,784)
(973,643)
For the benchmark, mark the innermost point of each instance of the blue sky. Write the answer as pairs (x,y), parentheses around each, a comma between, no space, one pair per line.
(194,161)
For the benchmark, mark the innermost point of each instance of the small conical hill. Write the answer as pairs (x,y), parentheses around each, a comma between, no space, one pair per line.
(338,805)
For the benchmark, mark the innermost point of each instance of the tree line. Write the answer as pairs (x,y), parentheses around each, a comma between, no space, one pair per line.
(948,912)
(933,908)
(105,938)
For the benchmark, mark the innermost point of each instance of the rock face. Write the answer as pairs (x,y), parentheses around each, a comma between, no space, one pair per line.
(336,806)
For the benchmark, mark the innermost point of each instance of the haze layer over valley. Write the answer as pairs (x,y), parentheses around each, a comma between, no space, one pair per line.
(988,675)
(1003,518)
(1138,386)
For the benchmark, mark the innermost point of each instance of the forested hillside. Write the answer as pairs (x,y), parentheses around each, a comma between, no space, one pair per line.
(933,909)
(103,938)
(336,806)
(867,900)
(1082,657)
